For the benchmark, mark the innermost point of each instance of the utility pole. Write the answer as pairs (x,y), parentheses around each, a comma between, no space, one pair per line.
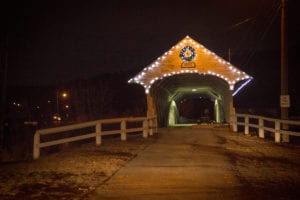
(284,98)
(229,55)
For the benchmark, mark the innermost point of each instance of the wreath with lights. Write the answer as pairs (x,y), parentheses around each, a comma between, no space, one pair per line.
(187,53)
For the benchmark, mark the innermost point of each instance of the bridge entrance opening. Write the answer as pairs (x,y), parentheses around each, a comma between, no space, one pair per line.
(190,99)
(190,84)
(196,110)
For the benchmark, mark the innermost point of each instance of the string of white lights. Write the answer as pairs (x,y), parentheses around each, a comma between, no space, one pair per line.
(189,49)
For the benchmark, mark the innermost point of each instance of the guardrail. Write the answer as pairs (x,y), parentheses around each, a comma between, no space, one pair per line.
(149,126)
(277,126)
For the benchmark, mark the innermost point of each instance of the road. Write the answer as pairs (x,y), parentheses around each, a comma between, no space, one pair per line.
(187,163)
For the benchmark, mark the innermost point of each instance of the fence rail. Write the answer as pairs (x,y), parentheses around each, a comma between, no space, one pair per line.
(149,126)
(279,127)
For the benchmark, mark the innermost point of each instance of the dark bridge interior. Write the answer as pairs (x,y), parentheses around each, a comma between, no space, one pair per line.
(191,98)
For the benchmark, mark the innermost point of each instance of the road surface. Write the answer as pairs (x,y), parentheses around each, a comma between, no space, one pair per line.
(187,163)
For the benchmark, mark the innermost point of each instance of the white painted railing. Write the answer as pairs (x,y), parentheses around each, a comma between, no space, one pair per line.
(149,126)
(277,126)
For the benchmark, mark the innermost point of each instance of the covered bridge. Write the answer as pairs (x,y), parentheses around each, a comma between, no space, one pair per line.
(189,77)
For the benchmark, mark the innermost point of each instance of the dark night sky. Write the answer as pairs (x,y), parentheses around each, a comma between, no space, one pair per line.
(54,41)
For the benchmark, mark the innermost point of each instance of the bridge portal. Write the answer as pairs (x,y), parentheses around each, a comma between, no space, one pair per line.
(190,84)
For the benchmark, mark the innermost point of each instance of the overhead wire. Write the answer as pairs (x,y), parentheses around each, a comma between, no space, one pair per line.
(239,44)
(271,16)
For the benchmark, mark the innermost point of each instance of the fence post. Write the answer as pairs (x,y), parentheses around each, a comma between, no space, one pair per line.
(246,125)
(261,131)
(123,130)
(98,134)
(36,145)
(145,128)
(277,131)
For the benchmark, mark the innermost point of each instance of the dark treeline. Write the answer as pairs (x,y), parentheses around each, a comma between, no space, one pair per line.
(105,96)
(31,108)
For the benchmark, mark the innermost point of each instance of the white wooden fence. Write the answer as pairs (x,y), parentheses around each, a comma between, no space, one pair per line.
(277,126)
(148,128)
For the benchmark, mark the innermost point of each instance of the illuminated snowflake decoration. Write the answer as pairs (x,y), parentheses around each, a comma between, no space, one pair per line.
(187,53)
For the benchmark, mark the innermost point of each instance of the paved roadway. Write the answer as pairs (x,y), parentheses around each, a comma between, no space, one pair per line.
(184,163)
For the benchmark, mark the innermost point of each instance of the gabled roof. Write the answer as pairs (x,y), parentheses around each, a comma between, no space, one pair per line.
(188,56)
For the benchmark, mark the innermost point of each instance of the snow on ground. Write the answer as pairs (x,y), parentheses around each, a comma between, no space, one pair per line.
(75,171)
(68,172)
(268,170)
